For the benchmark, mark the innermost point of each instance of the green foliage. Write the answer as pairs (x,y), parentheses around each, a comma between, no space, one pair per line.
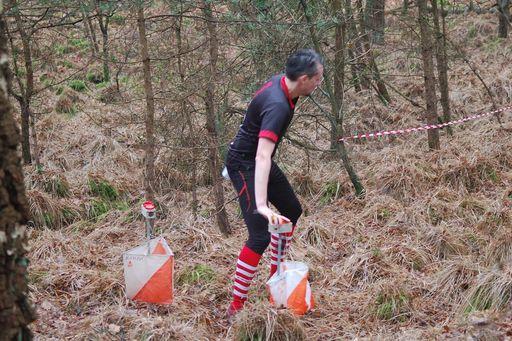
(384,214)
(56,185)
(103,189)
(39,169)
(70,112)
(480,300)
(69,215)
(376,252)
(77,85)
(492,175)
(102,85)
(59,90)
(20,73)
(118,19)
(94,76)
(48,220)
(472,32)
(254,335)
(199,273)
(493,44)
(67,64)
(122,206)
(79,43)
(390,307)
(330,192)
(97,209)
(62,49)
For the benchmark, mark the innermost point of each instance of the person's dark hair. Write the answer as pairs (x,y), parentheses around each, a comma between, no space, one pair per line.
(303,62)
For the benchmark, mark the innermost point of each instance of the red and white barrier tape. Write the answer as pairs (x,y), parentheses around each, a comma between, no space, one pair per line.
(425,127)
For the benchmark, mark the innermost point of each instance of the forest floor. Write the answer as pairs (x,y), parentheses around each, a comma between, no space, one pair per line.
(425,255)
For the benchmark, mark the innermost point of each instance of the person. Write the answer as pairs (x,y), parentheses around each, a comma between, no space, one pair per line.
(256,177)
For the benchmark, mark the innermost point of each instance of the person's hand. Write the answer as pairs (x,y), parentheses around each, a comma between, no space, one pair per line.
(272,217)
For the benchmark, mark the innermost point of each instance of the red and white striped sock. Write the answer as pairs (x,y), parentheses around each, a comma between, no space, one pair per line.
(246,266)
(286,239)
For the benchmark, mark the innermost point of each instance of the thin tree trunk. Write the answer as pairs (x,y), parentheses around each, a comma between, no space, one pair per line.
(222,218)
(405,6)
(103,21)
(376,20)
(360,36)
(191,136)
(91,33)
(442,64)
(381,89)
(28,89)
(149,179)
(336,94)
(15,309)
(504,18)
(428,72)
(352,36)
(37,158)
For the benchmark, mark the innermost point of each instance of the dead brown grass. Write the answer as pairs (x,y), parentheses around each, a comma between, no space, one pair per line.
(426,250)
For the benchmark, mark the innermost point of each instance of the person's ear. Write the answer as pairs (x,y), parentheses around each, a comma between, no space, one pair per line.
(302,78)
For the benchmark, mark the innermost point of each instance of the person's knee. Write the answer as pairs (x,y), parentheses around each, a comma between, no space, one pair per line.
(259,243)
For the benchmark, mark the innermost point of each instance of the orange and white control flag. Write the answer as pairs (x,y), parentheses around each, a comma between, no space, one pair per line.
(149,277)
(290,288)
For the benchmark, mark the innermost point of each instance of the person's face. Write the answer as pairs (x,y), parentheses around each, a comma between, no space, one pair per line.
(309,84)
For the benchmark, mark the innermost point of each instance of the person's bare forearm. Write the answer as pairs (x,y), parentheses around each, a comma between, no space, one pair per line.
(261,175)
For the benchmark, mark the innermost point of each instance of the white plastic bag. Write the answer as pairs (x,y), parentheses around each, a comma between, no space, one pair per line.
(289,287)
(148,272)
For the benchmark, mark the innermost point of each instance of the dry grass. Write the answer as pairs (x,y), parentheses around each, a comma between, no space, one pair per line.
(262,322)
(427,249)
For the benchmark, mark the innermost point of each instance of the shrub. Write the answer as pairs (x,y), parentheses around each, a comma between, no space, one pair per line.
(97,208)
(390,306)
(330,192)
(95,76)
(80,43)
(77,85)
(56,184)
(103,189)
(62,49)
(199,273)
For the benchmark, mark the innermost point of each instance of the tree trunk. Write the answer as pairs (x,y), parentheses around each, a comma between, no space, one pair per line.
(428,72)
(381,88)
(442,63)
(36,150)
(91,33)
(335,91)
(352,36)
(25,132)
(191,133)
(213,160)
(28,89)
(103,21)
(504,17)
(405,6)
(376,20)
(15,309)
(149,179)
(359,35)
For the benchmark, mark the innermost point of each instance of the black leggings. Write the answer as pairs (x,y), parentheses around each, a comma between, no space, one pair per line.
(279,192)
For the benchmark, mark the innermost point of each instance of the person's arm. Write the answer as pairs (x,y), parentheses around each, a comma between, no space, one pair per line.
(261,175)
(274,117)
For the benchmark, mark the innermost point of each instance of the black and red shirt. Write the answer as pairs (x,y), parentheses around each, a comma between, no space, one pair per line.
(269,114)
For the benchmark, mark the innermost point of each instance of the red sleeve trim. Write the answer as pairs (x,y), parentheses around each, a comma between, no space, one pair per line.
(269,135)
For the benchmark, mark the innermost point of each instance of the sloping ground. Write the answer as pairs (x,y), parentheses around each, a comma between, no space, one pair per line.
(425,255)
